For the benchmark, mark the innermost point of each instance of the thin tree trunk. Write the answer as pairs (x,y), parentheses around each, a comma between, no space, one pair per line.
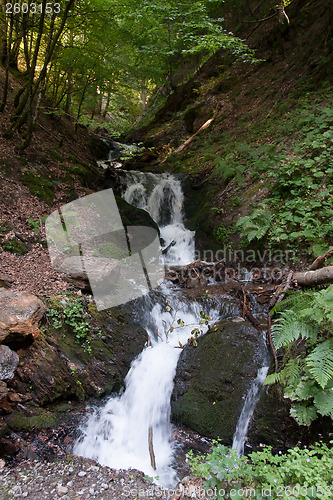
(3,33)
(5,87)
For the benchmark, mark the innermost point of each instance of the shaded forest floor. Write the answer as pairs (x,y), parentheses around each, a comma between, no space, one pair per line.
(57,168)
(263,148)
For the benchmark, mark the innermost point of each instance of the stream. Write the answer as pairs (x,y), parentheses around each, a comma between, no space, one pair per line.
(117,434)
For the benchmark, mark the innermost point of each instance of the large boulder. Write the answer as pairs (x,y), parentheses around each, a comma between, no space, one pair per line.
(20,313)
(212,379)
(57,367)
(8,362)
(106,271)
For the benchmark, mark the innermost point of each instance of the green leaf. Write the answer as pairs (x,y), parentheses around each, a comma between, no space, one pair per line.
(303,414)
(324,402)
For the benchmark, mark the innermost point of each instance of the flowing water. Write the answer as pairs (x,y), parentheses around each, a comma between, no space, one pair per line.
(162,196)
(117,434)
(251,400)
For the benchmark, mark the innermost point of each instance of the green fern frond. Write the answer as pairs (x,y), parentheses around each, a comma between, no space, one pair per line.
(297,301)
(290,374)
(289,328)
(320,362)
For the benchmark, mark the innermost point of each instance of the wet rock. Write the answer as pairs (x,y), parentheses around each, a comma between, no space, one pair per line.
(56,366)
(213,378)
(20,313)
(8,362)
(106,271)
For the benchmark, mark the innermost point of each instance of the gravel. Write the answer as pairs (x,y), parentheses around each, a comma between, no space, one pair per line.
(74,478)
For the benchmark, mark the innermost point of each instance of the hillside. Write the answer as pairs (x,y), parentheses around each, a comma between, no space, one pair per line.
(269,141)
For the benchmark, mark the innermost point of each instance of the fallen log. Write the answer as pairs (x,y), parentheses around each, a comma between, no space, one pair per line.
(314,278)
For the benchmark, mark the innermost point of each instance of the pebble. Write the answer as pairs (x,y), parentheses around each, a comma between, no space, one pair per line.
(62,490)
(82,473)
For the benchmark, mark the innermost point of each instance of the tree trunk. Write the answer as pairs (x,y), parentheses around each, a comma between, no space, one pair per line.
(3,33)
(314,278)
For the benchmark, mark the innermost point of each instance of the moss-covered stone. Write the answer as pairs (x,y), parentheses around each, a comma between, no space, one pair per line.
(39,185)
(40,419)
(213,378)
(56,367)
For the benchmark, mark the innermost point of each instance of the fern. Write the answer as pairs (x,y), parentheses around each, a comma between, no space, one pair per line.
(320,362)
(307,374)
(255,225)
(289,328)
(290,374)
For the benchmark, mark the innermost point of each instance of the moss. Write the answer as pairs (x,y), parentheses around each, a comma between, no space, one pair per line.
(5,228)
(54,155)
(39,186)
(111,251)
(43,420)
(14,246)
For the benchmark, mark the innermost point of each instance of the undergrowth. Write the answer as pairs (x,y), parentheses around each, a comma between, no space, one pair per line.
(304,333)
(300,473)
(70,311)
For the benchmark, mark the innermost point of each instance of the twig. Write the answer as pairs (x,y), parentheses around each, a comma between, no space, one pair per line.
(151,448)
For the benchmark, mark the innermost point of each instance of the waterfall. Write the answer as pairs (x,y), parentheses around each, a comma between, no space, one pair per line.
(250,402)
(162,196)
(117,434)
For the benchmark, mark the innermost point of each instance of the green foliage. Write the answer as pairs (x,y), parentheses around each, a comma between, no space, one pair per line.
(299,473)
(220,466)
(255,225)
(36,224)
(304,331)
(15,246)
(301,185)
(71,311)
(223,234)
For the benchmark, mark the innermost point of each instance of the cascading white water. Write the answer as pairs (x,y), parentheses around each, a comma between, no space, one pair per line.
(161,195)
(117,434)
(250,402)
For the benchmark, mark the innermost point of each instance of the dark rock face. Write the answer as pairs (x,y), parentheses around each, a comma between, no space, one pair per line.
(213,378)
(56,367)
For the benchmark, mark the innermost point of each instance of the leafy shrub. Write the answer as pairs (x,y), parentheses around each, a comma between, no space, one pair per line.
(301,186)
(299,473)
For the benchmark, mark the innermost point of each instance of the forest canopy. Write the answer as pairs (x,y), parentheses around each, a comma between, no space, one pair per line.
(104,58)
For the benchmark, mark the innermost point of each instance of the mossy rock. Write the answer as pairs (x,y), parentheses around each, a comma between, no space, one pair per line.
(213,378)
(39,186)
(56,367)
(133,216)
(41,419)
